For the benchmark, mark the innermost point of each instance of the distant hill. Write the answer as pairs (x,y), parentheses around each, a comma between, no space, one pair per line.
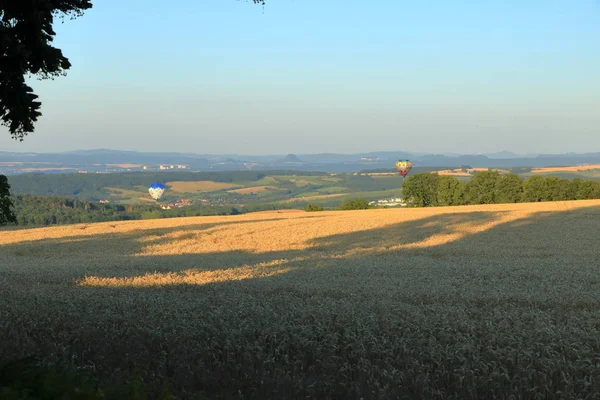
(105,160)
(291,159)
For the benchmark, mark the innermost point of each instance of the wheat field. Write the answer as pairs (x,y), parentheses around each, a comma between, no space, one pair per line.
(470,302)
(575,168)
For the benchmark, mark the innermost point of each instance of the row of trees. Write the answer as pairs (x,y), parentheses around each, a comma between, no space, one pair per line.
(490,187)
(26,210)
(6,212)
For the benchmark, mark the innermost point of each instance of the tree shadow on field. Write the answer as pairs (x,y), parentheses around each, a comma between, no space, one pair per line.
(122,254)
(404,311)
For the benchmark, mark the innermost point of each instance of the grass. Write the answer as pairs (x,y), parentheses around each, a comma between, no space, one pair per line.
(198,186)
(130,196)
(252,189)
(445,303)
(303,197)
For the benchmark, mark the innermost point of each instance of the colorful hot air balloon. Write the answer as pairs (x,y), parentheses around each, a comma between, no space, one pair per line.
(156,190)
(403,167)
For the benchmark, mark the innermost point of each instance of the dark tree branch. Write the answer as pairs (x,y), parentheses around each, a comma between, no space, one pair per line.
(26,35)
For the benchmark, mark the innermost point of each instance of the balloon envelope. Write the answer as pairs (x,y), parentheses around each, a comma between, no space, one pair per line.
(156,190)
(403,167)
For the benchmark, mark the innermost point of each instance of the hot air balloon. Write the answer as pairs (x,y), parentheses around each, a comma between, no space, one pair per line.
(403,167)
(156,190)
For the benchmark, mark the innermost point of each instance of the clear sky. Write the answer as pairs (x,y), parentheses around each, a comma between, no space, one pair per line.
(297,76)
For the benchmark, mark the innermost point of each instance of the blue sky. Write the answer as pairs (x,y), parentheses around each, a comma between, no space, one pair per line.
(314,76)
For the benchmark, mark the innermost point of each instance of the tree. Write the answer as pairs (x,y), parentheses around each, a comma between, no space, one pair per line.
(420,190)
(588,190)
(509,189)
(313,207)
(25,36)
(556,189)
(355,204)
(481,189)
(450,191)
(6,214)
(534,189)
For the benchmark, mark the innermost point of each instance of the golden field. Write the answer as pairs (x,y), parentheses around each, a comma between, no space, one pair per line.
(198,186)
(465,302)
(125,166)
(567,169)
(467,172)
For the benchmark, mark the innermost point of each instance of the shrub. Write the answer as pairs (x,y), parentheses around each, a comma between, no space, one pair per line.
(355,204)
(313,207)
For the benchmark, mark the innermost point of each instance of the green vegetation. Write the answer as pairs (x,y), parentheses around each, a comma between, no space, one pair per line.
(26,35)
(29,379)
(313,207)
(52,210)
(355,204)
(489,187)
(6,205)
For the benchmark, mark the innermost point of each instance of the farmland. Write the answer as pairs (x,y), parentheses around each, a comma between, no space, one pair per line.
(198,186)
(453,302)
(578,168)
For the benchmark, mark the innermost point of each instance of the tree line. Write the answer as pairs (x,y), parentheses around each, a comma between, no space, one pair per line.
(490,187)
(27,210)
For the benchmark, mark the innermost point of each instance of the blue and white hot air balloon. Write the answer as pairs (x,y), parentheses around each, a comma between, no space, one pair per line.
(156,190)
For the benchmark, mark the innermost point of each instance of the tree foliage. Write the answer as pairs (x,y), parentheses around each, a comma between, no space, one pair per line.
(6,213)
(450,191)
(509,189)
(421,190)
(355,204)
(26,34)
(313,207)
(488,187)
(481,189)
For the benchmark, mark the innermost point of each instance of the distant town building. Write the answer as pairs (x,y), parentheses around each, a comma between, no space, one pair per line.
(392,202)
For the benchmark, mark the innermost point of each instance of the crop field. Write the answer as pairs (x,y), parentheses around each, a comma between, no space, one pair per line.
(458,172)
(470,302)
(314,197)
(575,168)
(125,166)
(198,186)
(251,189)
(130,196)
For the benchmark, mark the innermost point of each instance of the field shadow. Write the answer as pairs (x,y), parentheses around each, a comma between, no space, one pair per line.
(367,314)
(442,236)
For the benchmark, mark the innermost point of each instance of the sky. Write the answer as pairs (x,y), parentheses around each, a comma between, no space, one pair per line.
(312,76)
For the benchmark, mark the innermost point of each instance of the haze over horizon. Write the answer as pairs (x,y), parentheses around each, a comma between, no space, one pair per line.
(301,76)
